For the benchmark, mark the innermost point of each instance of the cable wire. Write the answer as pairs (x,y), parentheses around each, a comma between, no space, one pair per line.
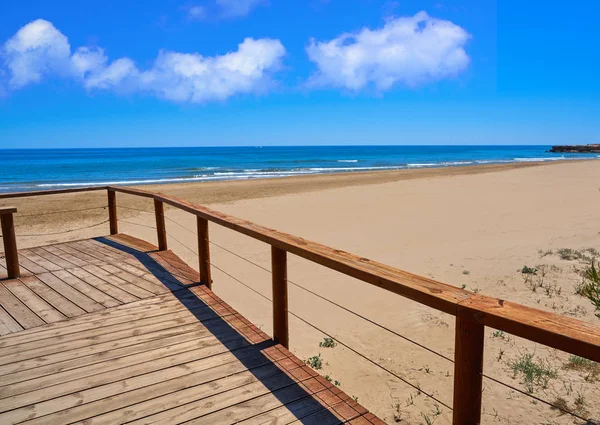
(342,307)
(338,341)
(353,313)
(60,212)
(382,327)
(60,233)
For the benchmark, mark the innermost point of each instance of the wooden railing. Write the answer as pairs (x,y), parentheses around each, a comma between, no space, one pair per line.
(473,312)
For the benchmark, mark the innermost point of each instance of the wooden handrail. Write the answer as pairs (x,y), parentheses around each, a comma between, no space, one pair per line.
(473,312)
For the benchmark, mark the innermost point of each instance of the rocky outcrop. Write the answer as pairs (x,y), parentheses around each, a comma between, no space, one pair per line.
(576,149)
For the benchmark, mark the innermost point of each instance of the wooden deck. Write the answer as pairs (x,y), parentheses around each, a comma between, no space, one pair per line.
(111,330)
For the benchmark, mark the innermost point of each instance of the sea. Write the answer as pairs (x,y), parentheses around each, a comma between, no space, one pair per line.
(39,169)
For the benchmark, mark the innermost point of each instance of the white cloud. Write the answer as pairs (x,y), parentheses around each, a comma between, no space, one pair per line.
(237,8)
(39,50)
(408,50)
(185,77)
(36,50)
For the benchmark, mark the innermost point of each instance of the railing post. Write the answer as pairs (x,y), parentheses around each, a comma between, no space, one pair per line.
(280,296)
(161,230)
(204,252)
(112,212)
(468,369)
(10,242)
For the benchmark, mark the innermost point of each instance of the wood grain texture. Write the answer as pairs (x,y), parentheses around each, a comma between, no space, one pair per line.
(468,369)
(9,241)
(280,296)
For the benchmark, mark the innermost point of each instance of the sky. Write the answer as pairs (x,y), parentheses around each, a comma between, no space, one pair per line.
(307,72)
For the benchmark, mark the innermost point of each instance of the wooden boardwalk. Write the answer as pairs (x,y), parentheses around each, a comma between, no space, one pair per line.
(111,330)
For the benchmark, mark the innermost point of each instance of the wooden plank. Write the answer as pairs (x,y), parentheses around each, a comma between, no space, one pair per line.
(204,385)
(168,275)
(70,293)
(31,266)
(107,333)
(294,410)
(238,411)
(193,346)
(59,261)
(52,297)
(198,401)
(136,280)
(9,324)
(172,270)
(157,276)
(567,334)
(66,247)
(117,281)
(95,359)
(36,362)
(212,354)
(36,304)
(143,308)
(133,242)
(19,311)
(101,251)
(104,286)
(54,249)
(88,290)
(41,262)
(98,400)
(176,265)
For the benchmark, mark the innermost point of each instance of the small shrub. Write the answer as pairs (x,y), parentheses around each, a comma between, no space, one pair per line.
(561,405)
(466,272)
(498,334)
(328,343)
(534,374)
(580,364)
(586,255)
(590,287)
(316,362)
(529,270)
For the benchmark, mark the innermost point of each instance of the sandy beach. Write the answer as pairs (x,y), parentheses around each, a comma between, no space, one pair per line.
(474,227)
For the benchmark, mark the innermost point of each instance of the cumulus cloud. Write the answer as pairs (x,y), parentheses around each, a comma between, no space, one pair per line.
(408,50)
(39,50)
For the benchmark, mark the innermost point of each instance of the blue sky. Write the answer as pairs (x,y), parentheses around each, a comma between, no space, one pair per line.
(274,72)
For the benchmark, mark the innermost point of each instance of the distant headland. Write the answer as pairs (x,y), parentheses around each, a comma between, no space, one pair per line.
(593,148)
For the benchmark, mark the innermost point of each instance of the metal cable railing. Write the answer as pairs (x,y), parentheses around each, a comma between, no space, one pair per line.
(552,405)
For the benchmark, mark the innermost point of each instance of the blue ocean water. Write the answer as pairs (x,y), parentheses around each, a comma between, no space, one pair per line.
(24,170)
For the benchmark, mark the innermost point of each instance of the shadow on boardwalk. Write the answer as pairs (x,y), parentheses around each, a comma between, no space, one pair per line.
(304,407)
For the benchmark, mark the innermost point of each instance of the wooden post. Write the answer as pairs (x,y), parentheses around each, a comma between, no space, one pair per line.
(468,369)
(161,230)
(112,212)
(280,296)
(10,242)
(204,252)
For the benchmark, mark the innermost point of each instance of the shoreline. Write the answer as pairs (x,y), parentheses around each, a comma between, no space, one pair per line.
(32,210)
(262,175)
